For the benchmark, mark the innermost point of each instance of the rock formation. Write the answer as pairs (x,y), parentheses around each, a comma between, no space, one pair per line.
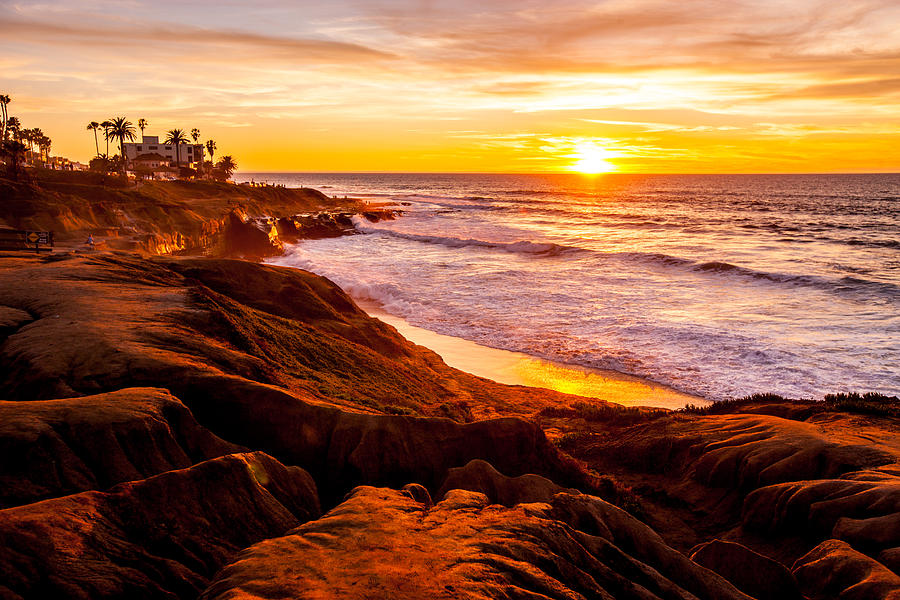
(379,543)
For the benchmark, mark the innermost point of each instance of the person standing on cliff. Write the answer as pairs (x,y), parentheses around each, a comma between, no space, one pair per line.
(90,241)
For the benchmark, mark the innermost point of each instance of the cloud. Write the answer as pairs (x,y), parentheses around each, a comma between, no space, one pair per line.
(138,42)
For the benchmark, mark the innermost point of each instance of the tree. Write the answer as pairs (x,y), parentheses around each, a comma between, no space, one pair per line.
(14,129)
(44,144)
(176,137)
(13,150)
(211,148)
(142,125)
(227,166)
(94,126)
(195,133)
(122,129)
(34,138)
(4,100)
(105,125)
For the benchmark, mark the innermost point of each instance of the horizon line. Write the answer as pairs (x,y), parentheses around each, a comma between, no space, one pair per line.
(573,173)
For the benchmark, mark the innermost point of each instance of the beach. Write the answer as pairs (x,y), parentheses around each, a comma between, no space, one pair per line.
(516,368)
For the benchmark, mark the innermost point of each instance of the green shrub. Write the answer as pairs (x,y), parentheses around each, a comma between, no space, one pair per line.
(869,403)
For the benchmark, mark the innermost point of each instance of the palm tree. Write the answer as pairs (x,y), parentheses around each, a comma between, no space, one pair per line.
(94,126)
(121,129)
(105,125)
(4,100)
(227,165)
(44,144)
(13,149)
(35,138)
(211,148)
(142,125)
(176,137)
(195,133)
(14,128)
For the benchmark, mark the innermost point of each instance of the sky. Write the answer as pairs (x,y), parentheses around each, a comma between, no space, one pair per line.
(660,86)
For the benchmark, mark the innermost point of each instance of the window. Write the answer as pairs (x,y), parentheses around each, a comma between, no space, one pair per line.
(168,147)
(152,147)
(138,148)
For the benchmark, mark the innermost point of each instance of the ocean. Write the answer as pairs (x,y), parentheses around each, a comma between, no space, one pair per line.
(717,285)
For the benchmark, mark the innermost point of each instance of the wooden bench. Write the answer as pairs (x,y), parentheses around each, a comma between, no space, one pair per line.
(17,239)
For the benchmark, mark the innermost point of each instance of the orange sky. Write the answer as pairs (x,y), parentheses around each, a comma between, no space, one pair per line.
(502,85)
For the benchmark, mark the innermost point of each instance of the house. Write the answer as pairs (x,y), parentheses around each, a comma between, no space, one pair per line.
(153,165)
(191,155)
(151,160)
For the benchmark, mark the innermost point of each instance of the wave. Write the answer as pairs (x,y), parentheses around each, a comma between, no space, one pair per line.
(518,247)
(847,284)
(874,243)
(855,285)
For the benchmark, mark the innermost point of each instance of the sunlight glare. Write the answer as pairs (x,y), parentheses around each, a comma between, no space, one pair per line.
(592,159)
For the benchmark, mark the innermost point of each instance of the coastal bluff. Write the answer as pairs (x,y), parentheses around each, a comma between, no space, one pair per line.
(167,217)
(206,427)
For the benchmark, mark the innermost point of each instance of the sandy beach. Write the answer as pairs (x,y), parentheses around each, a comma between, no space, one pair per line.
(517,368)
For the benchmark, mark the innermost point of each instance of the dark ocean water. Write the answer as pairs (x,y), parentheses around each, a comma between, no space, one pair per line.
(717,285)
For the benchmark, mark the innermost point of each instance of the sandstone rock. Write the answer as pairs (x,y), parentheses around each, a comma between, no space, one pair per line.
(864,513)
(161,537)
(752,573)
(480,476)
(344,449)
(58,447)
(891,559)
(11,319)
(251,238)
(834,570)
(380,543)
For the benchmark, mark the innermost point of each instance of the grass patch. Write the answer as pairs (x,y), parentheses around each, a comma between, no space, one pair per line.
(732,405)
(605,413)
(869,403)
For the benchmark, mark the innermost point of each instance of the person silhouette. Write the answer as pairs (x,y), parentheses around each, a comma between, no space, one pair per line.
(90,241)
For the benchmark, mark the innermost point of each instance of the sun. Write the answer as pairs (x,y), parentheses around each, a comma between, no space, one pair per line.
(592,159)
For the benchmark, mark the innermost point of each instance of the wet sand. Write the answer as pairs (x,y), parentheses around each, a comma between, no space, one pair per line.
(516,368)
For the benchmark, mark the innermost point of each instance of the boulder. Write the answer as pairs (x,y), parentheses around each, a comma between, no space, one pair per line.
(752,573)
(380,543)
(161,537)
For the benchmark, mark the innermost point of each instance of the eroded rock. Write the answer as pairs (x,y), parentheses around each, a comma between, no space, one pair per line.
(751,572)
(59,447)
(835,570)
(380,543)
(161,537)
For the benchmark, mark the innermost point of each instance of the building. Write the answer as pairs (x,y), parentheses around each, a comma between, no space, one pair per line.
(191,155)
(153,165)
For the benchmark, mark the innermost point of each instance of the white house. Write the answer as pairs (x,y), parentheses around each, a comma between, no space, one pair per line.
(191,155)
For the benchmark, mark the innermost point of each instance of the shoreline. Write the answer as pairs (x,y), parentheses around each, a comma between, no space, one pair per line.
(518,368)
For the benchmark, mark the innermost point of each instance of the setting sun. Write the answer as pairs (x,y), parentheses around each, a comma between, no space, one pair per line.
(592,159)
